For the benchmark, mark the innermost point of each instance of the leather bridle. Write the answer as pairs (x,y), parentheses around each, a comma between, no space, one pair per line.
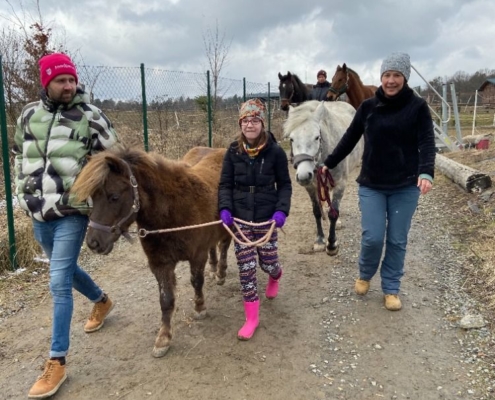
(343,89)
(117,228)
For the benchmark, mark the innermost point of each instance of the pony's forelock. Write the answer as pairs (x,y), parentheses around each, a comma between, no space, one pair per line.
(299,115)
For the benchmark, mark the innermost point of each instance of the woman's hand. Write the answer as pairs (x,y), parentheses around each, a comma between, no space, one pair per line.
(424,185)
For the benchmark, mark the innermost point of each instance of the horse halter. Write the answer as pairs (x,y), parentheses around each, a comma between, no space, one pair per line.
(117,228)
(343,89)
(299,158)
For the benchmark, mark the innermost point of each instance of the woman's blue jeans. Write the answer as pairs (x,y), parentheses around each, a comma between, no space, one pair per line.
(61,240)
(385,217)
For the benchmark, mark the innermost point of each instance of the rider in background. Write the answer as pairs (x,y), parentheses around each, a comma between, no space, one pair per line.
(321,88)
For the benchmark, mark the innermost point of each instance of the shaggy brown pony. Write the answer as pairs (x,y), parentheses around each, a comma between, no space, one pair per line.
(129,185)
(346,80)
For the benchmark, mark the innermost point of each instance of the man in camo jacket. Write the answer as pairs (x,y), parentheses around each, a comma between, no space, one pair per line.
(53,138)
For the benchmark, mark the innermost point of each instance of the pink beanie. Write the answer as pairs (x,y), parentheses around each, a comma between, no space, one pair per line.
(54,65)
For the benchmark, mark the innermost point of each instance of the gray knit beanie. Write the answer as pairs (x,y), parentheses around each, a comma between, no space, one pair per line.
(397,62)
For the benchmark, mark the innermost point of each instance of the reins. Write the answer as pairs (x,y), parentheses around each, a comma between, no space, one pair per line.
(324,181)
(260,242)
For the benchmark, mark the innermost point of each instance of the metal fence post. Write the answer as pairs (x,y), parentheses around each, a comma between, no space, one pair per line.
(145,108)
(244,89)
(6,173)
(269,109)
(445,117)
(208,95)
(456,113)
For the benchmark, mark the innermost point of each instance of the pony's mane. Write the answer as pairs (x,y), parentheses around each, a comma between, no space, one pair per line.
(298,115)
(95,174)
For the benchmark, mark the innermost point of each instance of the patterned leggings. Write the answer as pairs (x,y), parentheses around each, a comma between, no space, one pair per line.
(246,259)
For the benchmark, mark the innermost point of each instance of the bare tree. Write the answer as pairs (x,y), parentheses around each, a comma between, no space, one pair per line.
(23,43)
(217,48)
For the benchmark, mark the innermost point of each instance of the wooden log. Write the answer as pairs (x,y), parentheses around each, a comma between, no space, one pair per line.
(468,178)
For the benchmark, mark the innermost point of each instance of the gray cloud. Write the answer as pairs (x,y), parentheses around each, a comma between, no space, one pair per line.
(442,36)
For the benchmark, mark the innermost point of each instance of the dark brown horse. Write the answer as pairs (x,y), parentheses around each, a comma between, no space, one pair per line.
(129,185)
(346,80)
(292,90)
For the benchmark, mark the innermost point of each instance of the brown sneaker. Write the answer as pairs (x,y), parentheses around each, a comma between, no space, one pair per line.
(392,302)
(361,286)
(49,382)
(98,315)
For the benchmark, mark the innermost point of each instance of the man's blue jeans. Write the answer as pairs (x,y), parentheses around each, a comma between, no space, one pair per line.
(385,216)
(61,240)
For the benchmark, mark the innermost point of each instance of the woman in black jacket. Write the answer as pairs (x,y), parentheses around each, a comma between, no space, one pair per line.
(255,186)
(398,164)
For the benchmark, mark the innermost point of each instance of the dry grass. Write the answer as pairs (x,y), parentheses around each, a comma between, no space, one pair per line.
(26,246)
(472,221)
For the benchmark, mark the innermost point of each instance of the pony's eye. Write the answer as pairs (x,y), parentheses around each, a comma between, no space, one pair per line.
(318,138)
(114,197)
(291,140)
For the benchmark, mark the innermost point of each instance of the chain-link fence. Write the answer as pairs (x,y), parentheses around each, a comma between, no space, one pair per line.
(169,109)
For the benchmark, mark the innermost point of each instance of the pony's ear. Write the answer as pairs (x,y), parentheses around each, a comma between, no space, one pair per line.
(338,68)
(114,165)
(344,67)
(279,76)
(320,111)
(289,74)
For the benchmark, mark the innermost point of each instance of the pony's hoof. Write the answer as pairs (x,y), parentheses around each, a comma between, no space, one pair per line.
(332,252)
(200,315)
(220,281)
(212,275)
(319,246)
(159,351)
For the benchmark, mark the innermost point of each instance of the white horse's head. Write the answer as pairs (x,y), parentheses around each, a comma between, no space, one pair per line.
(314,128)
(302,128)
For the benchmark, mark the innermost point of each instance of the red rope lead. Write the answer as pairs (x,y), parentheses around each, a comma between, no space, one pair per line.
(324,181)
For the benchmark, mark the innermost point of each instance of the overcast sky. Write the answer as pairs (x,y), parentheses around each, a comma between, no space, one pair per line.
(268,37)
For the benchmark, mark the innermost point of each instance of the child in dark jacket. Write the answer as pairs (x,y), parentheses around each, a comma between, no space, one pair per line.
(255,186)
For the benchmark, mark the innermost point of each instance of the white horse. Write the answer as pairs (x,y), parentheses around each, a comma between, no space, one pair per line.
(314,129)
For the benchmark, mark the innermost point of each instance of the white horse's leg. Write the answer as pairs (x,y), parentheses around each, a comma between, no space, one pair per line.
(319,243)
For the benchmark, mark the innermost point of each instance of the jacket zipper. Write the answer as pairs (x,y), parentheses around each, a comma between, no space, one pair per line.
(45,155)
(261,167)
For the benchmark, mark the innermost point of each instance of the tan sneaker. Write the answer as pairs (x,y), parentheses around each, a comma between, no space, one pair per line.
(361,286)
(392,302)
(49,382)
(98,315)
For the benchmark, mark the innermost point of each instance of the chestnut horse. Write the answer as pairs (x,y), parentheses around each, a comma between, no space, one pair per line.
(292,90)
(346,80)
(130,185)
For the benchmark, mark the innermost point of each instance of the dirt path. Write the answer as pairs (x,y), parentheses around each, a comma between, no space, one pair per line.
(317,340)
